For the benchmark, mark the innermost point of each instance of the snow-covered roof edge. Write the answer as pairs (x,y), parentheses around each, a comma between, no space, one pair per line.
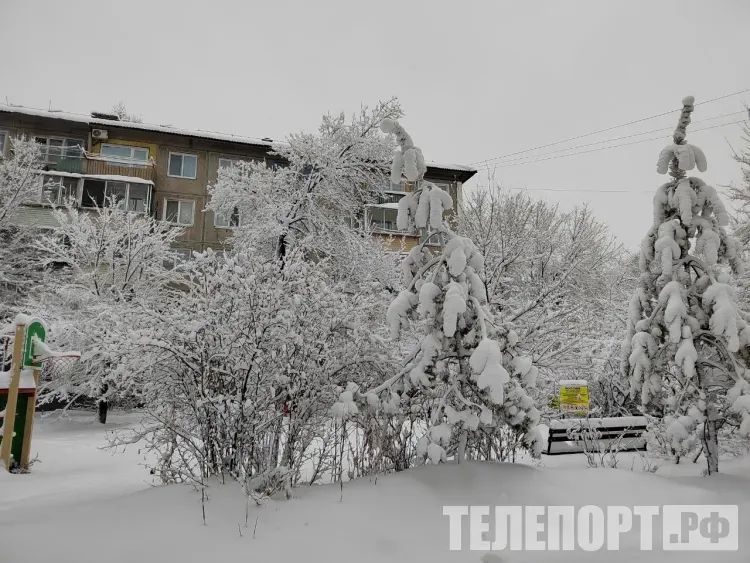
(110,177)
(199,133)
(106,123)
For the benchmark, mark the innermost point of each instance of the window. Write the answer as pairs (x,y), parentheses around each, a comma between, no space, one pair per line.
(54,148)
(226,163)
(178,256)
(127,196)
(179,211)
(3,142)
(183,165)
(125,154)
(382,218)
(93,193)
(223,221)
(117,194)
(59,189)
(139,198)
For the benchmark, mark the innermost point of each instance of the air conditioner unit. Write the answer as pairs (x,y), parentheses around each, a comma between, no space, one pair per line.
(99,134)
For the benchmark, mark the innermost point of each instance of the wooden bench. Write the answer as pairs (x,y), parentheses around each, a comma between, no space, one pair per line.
(576,435)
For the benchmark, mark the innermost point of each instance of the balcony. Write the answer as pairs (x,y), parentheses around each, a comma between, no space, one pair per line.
(390,197)
(94,165)
(400,188)
(382,217)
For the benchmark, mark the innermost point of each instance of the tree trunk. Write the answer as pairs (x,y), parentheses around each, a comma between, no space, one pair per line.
(287,457)
(102,408)
(273,461)
(461,451)
(710,439)
(102,405)
(281,243)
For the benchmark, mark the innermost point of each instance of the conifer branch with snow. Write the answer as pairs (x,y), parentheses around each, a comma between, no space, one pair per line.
(468,363)
(684,329)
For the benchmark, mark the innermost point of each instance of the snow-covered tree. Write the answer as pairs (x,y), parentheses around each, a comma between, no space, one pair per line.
(686,350)
(559,276)
(467,369)
(121,111)
(740,196)
(19,178)
(19,183)
(102,260)
(312,191)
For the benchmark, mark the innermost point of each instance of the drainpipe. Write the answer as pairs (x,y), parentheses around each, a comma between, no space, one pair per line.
(205,200)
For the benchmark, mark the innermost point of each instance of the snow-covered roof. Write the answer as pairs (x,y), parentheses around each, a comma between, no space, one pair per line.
(105,123)
(85,119)
(461,167)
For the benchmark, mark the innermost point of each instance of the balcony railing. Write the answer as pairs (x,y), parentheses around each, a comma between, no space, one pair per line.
(402,187)
(99,166)
(389,197)
(384,226)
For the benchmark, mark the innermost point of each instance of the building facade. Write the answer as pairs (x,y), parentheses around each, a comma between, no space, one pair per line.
(163,171)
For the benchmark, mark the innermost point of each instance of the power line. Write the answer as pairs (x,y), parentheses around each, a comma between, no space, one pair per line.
(650,139)
(585,190)
(576,137)
(611,139)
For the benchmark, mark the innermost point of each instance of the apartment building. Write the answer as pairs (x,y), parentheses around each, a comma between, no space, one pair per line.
(163,171)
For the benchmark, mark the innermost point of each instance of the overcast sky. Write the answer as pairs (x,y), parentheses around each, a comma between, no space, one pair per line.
(476,79)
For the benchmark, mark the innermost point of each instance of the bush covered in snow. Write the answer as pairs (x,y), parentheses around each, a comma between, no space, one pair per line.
(241,364)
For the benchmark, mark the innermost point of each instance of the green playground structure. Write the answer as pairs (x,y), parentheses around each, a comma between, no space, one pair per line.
(18,389)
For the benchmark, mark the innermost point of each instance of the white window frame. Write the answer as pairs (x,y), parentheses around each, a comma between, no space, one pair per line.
(125,160)
(231,161)
(235,160)
(45,151)
(108,194)
(179,206)
(375,218)
(183,154)
(5,136)
(227,224)
(179,256)
(128,185)
(46,179)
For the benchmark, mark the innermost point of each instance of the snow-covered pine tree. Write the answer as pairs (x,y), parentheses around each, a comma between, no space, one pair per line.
(686,349)
(467,364)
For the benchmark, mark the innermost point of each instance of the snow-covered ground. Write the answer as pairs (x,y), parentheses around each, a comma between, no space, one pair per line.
(82,503)
(73,464)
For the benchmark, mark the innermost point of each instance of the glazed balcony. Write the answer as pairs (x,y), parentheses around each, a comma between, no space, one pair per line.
(77,162)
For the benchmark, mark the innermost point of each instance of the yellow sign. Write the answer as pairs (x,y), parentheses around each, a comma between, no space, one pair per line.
(574,396)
